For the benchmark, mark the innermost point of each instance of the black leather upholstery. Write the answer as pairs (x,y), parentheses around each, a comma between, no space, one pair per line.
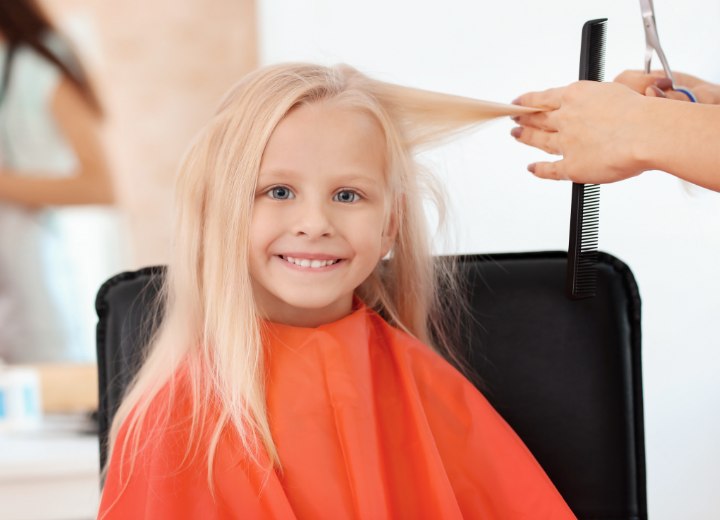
(565,374)
(123,306)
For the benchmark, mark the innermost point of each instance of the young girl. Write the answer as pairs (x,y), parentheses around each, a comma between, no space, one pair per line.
(274,388)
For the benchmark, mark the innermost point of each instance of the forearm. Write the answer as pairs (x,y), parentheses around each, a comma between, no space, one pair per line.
(41,191)
(682,139)
(91,182)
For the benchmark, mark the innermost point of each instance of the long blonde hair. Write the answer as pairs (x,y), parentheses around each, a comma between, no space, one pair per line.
(211,326)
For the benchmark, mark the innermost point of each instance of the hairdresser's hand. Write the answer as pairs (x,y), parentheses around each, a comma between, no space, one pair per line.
(656,84)
(592,125)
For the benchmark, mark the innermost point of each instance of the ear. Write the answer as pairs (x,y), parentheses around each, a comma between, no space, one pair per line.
(389,235)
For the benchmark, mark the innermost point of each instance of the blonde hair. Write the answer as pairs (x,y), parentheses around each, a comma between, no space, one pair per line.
(214,335)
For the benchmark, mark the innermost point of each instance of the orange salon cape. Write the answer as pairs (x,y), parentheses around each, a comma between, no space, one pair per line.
(369,423)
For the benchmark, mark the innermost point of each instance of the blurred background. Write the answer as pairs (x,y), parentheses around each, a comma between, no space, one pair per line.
(160,68)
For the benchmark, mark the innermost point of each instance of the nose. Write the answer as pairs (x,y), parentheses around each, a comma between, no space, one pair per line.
(313,220)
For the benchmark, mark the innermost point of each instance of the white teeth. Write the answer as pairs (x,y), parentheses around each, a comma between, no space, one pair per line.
(314,264)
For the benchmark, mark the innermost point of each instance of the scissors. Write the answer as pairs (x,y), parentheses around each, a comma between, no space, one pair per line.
(652,43)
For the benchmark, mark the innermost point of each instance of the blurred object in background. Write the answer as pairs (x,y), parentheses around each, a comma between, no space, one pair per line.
(162,68)
(150,63)
(20,408)
(51,157)
(67,387)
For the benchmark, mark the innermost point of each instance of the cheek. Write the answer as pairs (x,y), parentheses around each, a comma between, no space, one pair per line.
(373,240)
(261,229)
(259,244)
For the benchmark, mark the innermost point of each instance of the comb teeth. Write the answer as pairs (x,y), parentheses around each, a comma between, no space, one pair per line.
(596,69)
(592,55)
(583,248)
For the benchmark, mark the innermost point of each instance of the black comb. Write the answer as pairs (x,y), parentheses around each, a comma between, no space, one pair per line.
(585,209)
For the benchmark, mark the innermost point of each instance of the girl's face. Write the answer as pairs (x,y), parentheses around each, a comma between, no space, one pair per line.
(319,219)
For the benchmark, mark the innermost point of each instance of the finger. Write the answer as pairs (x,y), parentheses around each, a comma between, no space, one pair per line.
(548,170)
(654,91)
(688,80)
(638,80)
(546,141)
(548,99)
(664,83)
(539,120)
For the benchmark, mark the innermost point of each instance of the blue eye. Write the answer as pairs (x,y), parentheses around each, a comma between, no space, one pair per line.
(347,196)
(280,193)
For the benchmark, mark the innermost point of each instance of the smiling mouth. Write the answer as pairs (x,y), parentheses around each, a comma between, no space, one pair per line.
(311,263)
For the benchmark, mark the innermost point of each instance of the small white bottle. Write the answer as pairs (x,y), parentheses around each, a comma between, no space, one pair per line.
(20,406)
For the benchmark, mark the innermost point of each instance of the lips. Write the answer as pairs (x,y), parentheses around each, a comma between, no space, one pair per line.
(312,263)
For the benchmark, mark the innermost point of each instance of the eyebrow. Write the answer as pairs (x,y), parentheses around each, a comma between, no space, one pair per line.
(350,177)
(277,172)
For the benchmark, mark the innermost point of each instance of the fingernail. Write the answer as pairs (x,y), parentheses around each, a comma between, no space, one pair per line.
(516,132)
(652,90)
(663,83)
(515,118)
(531,168)
(516,101)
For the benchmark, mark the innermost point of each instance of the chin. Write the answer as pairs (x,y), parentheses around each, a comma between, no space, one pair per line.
(309,304)
(318,303)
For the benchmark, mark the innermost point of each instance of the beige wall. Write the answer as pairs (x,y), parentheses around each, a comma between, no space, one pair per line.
(161,67)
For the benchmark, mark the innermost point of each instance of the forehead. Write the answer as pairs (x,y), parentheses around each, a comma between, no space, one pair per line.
(324,137)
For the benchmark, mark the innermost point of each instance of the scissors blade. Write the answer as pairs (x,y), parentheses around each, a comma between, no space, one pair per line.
(652,40)
(647,9)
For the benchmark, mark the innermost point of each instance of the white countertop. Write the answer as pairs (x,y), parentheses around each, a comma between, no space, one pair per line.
(51,473)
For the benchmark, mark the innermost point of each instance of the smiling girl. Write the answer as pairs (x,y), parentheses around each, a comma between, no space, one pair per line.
(274,388)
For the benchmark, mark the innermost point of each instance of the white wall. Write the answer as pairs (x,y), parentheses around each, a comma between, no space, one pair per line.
(669,235)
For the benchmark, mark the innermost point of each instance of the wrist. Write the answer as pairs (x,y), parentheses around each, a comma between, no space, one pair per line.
(643,128)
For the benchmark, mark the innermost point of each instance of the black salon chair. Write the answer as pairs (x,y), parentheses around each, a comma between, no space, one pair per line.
(565,374)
